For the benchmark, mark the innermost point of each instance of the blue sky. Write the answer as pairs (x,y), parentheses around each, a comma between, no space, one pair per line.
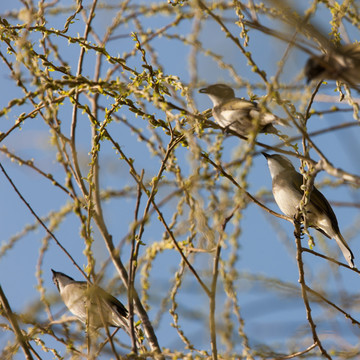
(263,252)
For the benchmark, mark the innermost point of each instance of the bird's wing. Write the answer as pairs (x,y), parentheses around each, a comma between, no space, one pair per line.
(317,198)
(115,304)
(290,182)
(239,105)
(319,202)
(323,206)
(251,110)
(351,50)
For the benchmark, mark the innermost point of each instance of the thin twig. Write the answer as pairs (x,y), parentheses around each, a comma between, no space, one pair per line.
(297,234)
(12,319)
(212,296)
(294,355)
(324,299)
(252,198)
(235,39)
(78,176)
(40,221)
(135,244)
(330,259)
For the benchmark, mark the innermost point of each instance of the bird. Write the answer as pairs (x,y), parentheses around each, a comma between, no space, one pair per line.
(286,188)
(90,303)
(341,63)
(239,115)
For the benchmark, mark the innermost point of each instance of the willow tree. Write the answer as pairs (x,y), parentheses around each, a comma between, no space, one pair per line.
(114,172)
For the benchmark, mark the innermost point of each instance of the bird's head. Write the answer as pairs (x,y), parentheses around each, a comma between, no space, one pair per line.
(314,69)
(278,163)
(61,280)
(218,93)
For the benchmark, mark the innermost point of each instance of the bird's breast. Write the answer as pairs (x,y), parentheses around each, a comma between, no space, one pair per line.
(287,199)
(74,298)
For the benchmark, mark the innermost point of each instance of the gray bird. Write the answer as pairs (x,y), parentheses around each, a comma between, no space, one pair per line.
(286,187)
(237,114)
(91,302)
(342,63)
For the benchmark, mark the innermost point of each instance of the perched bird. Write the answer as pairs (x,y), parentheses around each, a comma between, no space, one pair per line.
(91,302)
(286,187)
(237,114)
(342,63)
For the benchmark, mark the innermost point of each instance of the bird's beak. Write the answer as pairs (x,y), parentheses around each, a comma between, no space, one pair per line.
(266,155)
(203,91)
(54,274)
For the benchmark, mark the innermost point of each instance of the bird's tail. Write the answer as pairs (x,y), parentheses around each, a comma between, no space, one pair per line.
(269,118)
(348,255)
(282,122)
